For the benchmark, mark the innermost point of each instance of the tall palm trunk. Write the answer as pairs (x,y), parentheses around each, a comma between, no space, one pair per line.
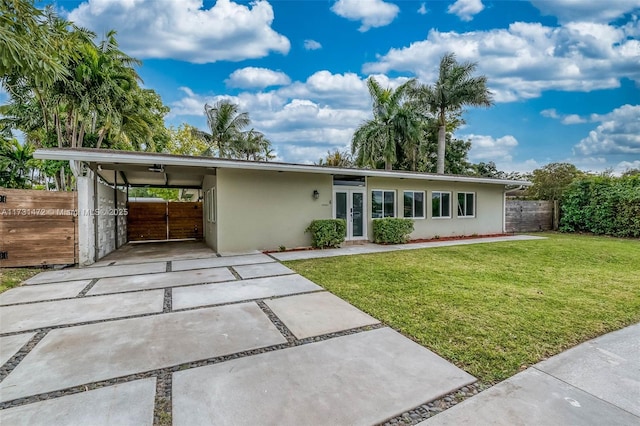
(441,148)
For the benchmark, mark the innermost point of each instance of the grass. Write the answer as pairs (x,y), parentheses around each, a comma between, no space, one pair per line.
(12,277)
(494,309)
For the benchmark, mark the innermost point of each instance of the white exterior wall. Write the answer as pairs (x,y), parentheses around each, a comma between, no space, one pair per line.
(264,210)
(489,208)
(104,217)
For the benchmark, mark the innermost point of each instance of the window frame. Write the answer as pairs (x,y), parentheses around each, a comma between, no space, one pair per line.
(440,215)
(413,206)
(211,205)
(465,216)
(395,212)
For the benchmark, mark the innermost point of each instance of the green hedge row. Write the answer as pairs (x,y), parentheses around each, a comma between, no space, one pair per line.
(327,232)
(392,230)
(602,205)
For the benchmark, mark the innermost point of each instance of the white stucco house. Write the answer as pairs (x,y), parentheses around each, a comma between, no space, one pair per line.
(265,205)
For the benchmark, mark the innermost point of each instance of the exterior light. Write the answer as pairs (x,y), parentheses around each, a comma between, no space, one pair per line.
(316,194)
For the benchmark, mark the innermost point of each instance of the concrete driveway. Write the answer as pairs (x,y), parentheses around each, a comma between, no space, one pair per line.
(198,340)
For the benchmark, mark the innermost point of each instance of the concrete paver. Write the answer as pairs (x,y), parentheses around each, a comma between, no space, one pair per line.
(217,262)
(533,398)
(377,248)
(71,311)
(9,345)
(100,272)
(84,354)
(262,270)
(361,379)
(236,291)
(314,314)
(25,293)
(161,280)
(123,404)
(613,365)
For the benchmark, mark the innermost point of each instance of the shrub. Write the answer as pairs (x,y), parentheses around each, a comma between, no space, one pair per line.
(392,230)
(327,232)
(603,205)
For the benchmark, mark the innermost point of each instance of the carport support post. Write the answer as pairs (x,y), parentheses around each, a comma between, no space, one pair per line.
(115,204)
(95,217)
(85,217)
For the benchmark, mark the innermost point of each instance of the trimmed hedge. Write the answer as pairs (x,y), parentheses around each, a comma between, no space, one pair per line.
(327,232)
(603,205)
(392,230)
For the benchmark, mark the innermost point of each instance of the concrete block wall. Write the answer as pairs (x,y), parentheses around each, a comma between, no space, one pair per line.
(104,217)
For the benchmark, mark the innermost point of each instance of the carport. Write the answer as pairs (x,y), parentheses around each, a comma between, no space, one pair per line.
(108,219)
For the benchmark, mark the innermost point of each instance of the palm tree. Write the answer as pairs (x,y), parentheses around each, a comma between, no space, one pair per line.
(456,87)
(16,163)
(226,124)
(394,124)
(251,145)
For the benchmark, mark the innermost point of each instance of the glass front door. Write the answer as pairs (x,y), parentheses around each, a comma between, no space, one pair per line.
(350,206)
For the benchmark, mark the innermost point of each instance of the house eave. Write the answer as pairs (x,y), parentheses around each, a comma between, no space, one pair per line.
(99,156)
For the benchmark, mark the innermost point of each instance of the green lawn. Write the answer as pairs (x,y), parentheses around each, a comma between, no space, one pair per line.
(12,277)
(496,308)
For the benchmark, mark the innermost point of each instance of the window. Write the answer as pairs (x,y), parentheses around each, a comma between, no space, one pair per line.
(210,202)
(440,204)
(414,204)
(466,204)
(383,204)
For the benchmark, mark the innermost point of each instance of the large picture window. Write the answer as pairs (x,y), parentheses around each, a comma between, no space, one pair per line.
(466,204)
(383,204)
(414,204)
(440,204)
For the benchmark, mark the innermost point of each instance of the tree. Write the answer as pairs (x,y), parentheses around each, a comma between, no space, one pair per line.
(487,170)
(395,124)
(551,181)
(336,158)
(16,163)
(455,88)
(225,124)
(251,145)
(182,141)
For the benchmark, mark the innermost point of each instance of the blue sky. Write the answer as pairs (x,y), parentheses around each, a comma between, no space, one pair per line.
(565,73)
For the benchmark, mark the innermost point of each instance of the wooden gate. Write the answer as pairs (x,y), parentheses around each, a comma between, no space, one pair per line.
(37,228)
(164,221)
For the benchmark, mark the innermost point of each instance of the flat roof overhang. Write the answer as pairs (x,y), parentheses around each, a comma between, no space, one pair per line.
(180,171)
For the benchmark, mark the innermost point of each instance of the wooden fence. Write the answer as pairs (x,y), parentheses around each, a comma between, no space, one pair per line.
(531,215)
(164,221)
(37,228)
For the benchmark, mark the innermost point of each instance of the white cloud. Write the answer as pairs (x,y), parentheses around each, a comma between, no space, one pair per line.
(422,10)
(623,166)
(312,45)
(526,59)
(564,119)
(581,10)
(184,29)
(371,13)
(550,113)
(303,119)
(573,119)
(617,134)
(252,77)
(487,148)
(466,9)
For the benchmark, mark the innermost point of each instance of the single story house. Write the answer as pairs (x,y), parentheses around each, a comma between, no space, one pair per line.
(249,205)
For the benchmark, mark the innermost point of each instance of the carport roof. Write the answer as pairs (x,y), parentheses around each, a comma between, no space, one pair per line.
(157,169)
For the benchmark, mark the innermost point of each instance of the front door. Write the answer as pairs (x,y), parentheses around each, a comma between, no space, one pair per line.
(349,204)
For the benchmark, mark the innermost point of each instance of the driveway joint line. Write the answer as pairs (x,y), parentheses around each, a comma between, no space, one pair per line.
(13,362)
(162,412)
(168,266)
(282,328)
(89,286)
(234,273)
(167,305)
